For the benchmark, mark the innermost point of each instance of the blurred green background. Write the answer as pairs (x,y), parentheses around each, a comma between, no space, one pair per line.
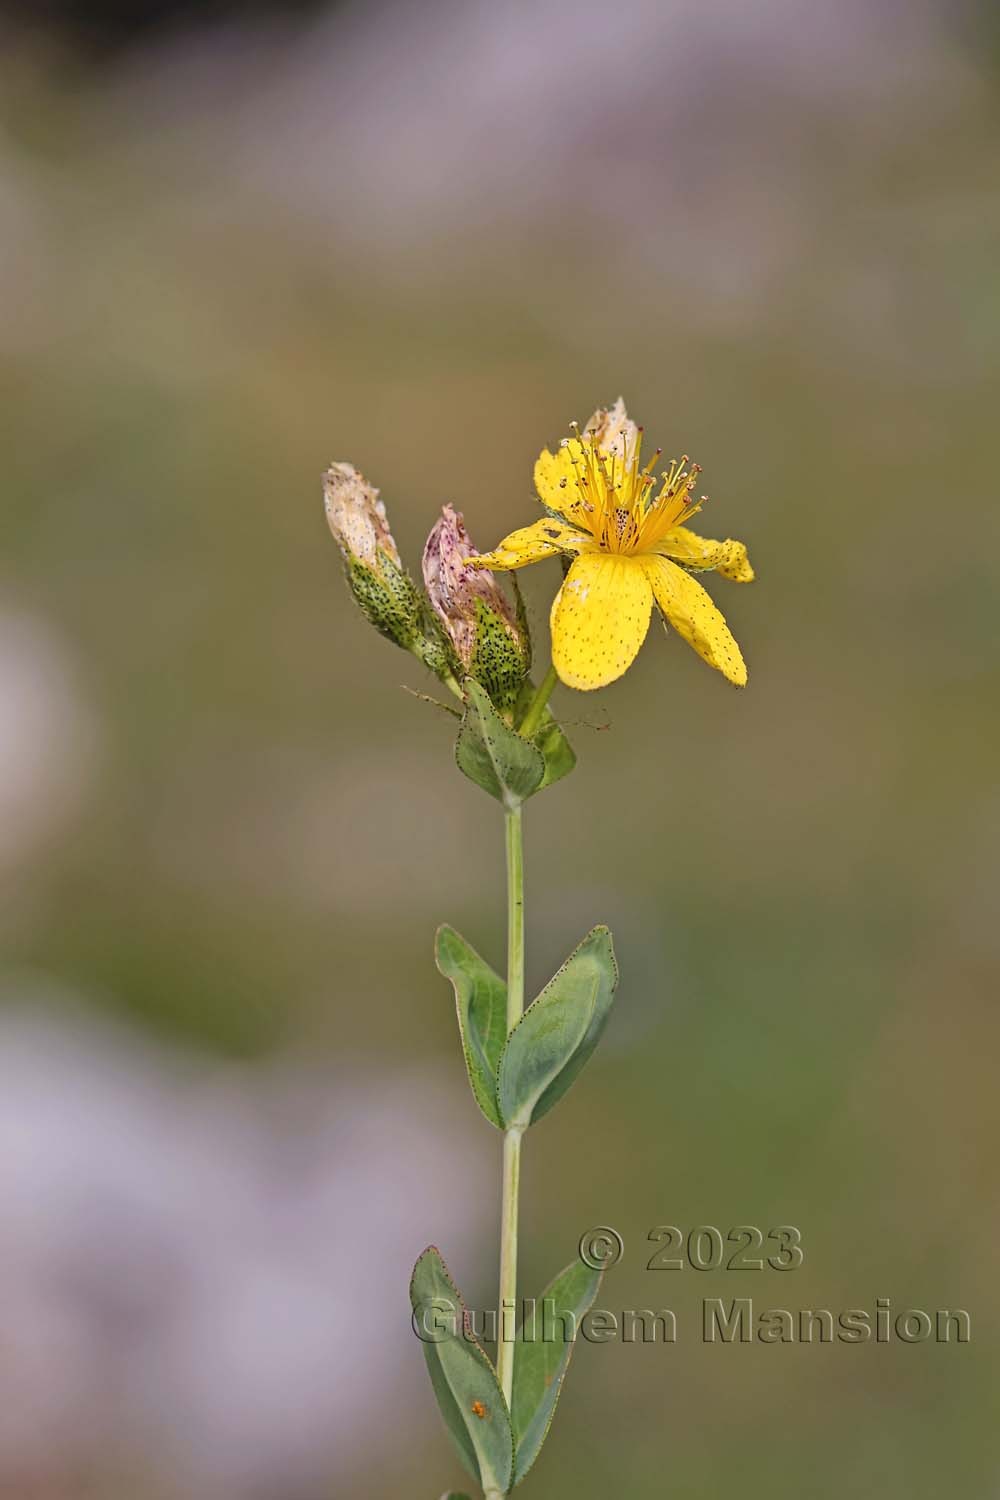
(422,240)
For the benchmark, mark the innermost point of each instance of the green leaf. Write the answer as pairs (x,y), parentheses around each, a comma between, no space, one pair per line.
(557,752)
(493,755)
(464,1381)
(454,1495)
(541,1358)
(481,1002)
(558,1032)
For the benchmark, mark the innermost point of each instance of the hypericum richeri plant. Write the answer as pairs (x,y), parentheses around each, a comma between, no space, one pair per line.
(622,536)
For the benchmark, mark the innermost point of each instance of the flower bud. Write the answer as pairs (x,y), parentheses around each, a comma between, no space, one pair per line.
(388,598)
(491,642)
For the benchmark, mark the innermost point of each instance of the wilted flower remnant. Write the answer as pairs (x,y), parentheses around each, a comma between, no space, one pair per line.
(492,644)
(385,592)
(358,521)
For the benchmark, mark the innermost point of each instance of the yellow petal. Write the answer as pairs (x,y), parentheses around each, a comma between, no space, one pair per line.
(693,615)
(702,555)
(531,544)
(600,617)
(556,480)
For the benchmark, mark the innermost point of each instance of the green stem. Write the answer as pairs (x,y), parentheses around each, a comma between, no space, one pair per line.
(515,917)
(532,719)
(506,1312)
(508,1262)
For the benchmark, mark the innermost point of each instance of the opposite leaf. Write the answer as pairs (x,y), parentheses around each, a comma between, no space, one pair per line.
(557,752)
(481,1002)
(558,1032)
(493,755)
(545,1343)
(463,1378)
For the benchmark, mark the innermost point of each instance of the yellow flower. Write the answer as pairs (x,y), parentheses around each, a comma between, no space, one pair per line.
(629,547)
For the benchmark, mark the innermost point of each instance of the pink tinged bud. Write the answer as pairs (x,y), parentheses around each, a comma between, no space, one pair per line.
(461,595)
(490,642)
(357,517)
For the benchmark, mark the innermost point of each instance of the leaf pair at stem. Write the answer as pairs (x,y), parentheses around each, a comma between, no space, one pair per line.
(517,1078)
(509,766)
(498,1444)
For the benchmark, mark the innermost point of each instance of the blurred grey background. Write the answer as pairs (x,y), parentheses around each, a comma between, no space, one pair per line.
(238,243)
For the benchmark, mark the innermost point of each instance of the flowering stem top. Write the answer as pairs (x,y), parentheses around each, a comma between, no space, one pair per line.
(625,545)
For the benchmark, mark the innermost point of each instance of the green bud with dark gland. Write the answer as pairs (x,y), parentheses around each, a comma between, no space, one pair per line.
(384,595)
(383,590)
(489,640)
(434,647)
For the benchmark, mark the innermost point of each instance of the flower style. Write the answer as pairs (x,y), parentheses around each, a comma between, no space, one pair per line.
(628,547)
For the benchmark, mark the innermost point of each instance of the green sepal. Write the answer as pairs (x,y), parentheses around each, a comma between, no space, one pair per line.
(463,1377)
(433,647)
(558,1032)
(540,1364)
(521,617)
(557,752)
(446,708)
(387,597)
(493,755)
(497,662)
(481,1002)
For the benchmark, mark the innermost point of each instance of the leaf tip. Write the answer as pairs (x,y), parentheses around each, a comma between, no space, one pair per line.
(602,934)
(443,935)
(430,1251)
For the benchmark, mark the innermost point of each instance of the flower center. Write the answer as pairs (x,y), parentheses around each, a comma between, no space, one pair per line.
(615,495)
